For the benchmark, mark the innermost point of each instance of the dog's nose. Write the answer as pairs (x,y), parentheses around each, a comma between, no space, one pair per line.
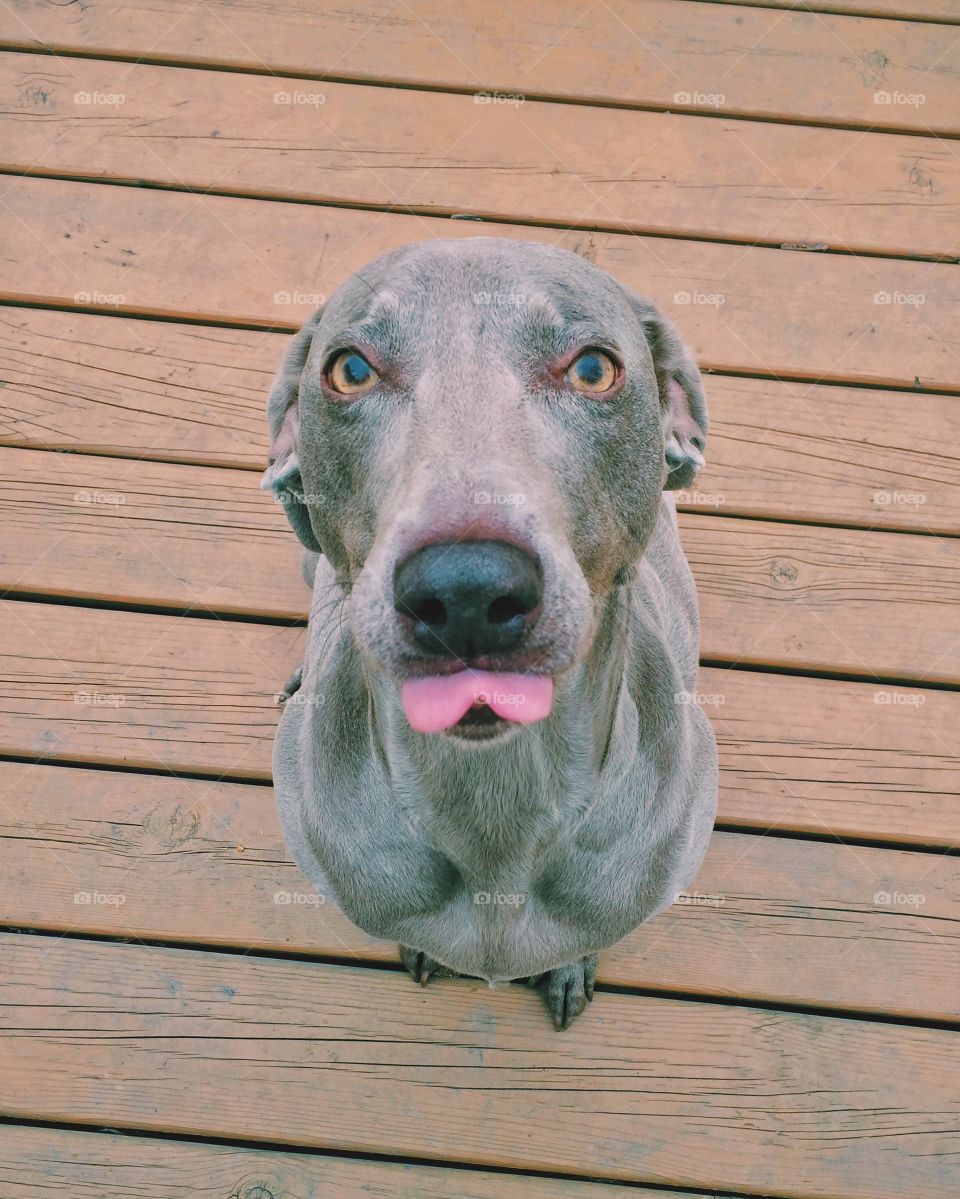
(468,599)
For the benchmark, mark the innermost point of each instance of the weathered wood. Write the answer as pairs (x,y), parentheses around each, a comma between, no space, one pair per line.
(36,1161)
(685,176)
(151,389)
(147,532)
(826,599)
(144,389)
(203,862)
(907,10)
(833,758)
(805,755)
(812,316)
(141,690)
(648,1090)
(660,53)
(856,456)
(209,538)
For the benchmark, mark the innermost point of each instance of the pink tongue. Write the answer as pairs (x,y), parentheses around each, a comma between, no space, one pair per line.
(437,702)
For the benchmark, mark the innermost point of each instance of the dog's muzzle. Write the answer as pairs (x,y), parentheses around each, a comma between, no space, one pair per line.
(464,603)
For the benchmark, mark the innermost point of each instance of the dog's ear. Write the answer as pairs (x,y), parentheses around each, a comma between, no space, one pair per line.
(683,404)
(282,475)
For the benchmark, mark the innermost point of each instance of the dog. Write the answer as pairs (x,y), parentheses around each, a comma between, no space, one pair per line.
(492,753)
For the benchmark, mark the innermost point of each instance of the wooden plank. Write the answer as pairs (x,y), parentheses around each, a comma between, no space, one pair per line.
(837,600)
(147,532)
(857,456)
(144,856)
(209,538)
(36,1161)
(440,153)
(903,10)
(136,388)
(102,686)
(648,1090)
(150,389)
(835,758)
(803,755)
(784,313)
(654,53)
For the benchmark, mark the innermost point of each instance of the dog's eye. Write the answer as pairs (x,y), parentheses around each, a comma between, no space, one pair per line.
(592,371)
(350,374)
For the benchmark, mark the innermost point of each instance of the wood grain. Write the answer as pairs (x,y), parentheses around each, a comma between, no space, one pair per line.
(649,52)
(686,176)
(150,389)
(147,532)
(802,755)
(874,604)
(36,1161)
(148,856)
(904,10)
(648,1090)
(161,692)
(208,538)
(144,389)
(812,316)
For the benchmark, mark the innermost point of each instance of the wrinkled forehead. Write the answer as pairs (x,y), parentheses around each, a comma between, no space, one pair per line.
(481,293)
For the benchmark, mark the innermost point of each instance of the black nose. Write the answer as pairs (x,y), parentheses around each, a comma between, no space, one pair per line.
(468,599)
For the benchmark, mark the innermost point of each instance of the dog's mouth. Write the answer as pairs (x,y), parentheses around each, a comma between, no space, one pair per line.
(476,702)
(478,723)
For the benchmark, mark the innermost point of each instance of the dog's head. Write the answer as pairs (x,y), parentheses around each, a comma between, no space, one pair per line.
(476,434)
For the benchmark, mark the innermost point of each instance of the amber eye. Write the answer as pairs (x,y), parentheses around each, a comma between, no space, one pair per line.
(350,374)
(592,371)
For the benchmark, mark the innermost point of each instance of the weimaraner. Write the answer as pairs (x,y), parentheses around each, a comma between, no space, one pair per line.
(492,752)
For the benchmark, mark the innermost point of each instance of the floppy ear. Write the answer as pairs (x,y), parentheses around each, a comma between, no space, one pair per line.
(282,475)
(683,404)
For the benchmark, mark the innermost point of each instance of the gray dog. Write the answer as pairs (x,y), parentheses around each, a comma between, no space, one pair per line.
(492,752)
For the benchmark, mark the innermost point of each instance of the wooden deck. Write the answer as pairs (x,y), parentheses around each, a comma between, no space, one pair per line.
(183,181)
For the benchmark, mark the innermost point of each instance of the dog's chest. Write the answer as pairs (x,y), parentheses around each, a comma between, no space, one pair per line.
(494,849)
(498,927)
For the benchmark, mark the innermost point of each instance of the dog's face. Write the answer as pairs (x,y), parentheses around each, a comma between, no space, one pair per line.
(477,434)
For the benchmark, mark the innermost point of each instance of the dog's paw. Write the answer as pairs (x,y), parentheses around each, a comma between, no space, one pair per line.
(567,989)
(422,967)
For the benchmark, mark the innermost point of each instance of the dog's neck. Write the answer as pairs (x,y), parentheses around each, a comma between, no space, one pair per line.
(515,791)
